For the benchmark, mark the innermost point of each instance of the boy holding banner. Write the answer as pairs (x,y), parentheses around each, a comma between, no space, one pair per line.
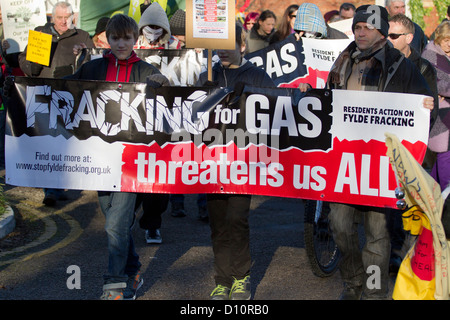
(120,64)
(369,63)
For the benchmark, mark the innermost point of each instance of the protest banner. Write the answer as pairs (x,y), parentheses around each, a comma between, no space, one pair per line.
(291,62)
(96,135)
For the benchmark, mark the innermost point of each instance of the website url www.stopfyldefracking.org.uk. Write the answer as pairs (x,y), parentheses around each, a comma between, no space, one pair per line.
(63,167)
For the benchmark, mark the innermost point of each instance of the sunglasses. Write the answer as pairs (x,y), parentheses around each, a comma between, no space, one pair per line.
(395,36)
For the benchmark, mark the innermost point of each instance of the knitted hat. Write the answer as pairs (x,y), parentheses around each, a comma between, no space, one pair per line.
(178,23)
(309,18)
(374,15)
(101,25)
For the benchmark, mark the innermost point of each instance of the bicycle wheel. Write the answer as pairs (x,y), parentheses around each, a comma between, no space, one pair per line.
(322,251)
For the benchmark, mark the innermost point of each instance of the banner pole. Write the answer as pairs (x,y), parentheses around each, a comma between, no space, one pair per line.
(210,65)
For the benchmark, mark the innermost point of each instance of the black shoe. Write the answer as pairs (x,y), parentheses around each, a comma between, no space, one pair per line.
(49,200)
(351,293)
(153,236)
(203,214)
(178,210)
(394,264)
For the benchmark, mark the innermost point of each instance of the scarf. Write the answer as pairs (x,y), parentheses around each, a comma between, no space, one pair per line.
(371,79)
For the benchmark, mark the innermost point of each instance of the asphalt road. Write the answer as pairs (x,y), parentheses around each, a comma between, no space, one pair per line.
(181,268)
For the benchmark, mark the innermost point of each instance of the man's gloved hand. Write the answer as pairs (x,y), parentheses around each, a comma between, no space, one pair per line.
(211,84)
(62,71)
(36,69)
(157,80)
(7,86)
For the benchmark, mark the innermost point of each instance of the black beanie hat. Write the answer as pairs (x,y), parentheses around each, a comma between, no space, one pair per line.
(178,23)
(374,15)
(101,25)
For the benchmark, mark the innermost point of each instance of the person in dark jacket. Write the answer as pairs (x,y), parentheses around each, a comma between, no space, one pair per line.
(370,63)
(62,61)
(420,40)
(120,64)
(401,34)
(228,213)
(262,32)
(286,25)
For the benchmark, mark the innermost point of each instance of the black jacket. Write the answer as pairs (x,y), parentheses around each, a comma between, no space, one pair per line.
(256,42)
(247,73)
(97,69)
(429,73)
(398,73)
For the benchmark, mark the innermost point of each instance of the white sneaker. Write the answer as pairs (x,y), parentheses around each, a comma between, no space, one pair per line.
(153,236)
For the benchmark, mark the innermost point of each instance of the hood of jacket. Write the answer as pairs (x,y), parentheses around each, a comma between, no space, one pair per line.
(119,70)
(309,18)
(230,75)
(155,15)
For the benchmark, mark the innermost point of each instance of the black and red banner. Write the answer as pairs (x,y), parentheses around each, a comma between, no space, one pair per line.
(95,135)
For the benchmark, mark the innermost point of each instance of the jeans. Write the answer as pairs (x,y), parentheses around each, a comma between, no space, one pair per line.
(123,261)
(354,264)
(230,235)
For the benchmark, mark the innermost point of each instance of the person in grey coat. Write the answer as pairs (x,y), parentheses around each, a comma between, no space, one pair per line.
(64,37)
(62,61)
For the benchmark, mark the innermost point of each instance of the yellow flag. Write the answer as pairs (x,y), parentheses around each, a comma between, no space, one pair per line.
(134,10)
(421,190)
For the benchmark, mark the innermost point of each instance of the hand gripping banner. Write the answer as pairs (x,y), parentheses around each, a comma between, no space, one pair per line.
(95,135)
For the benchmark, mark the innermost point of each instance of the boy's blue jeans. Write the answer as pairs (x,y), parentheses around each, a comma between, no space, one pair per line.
(118,208)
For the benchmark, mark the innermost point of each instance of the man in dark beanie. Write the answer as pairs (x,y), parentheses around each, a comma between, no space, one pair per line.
(370,63)
(374,15)
(99,37)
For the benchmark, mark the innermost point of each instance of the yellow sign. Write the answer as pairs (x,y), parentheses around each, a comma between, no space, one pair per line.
(39,47)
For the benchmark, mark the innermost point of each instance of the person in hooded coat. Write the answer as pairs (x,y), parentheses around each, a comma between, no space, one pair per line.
(120,64)
(154,30)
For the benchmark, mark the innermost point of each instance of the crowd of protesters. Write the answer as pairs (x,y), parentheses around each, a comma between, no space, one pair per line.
(417,65)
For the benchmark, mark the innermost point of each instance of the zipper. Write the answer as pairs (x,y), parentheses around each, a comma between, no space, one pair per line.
(118,71)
